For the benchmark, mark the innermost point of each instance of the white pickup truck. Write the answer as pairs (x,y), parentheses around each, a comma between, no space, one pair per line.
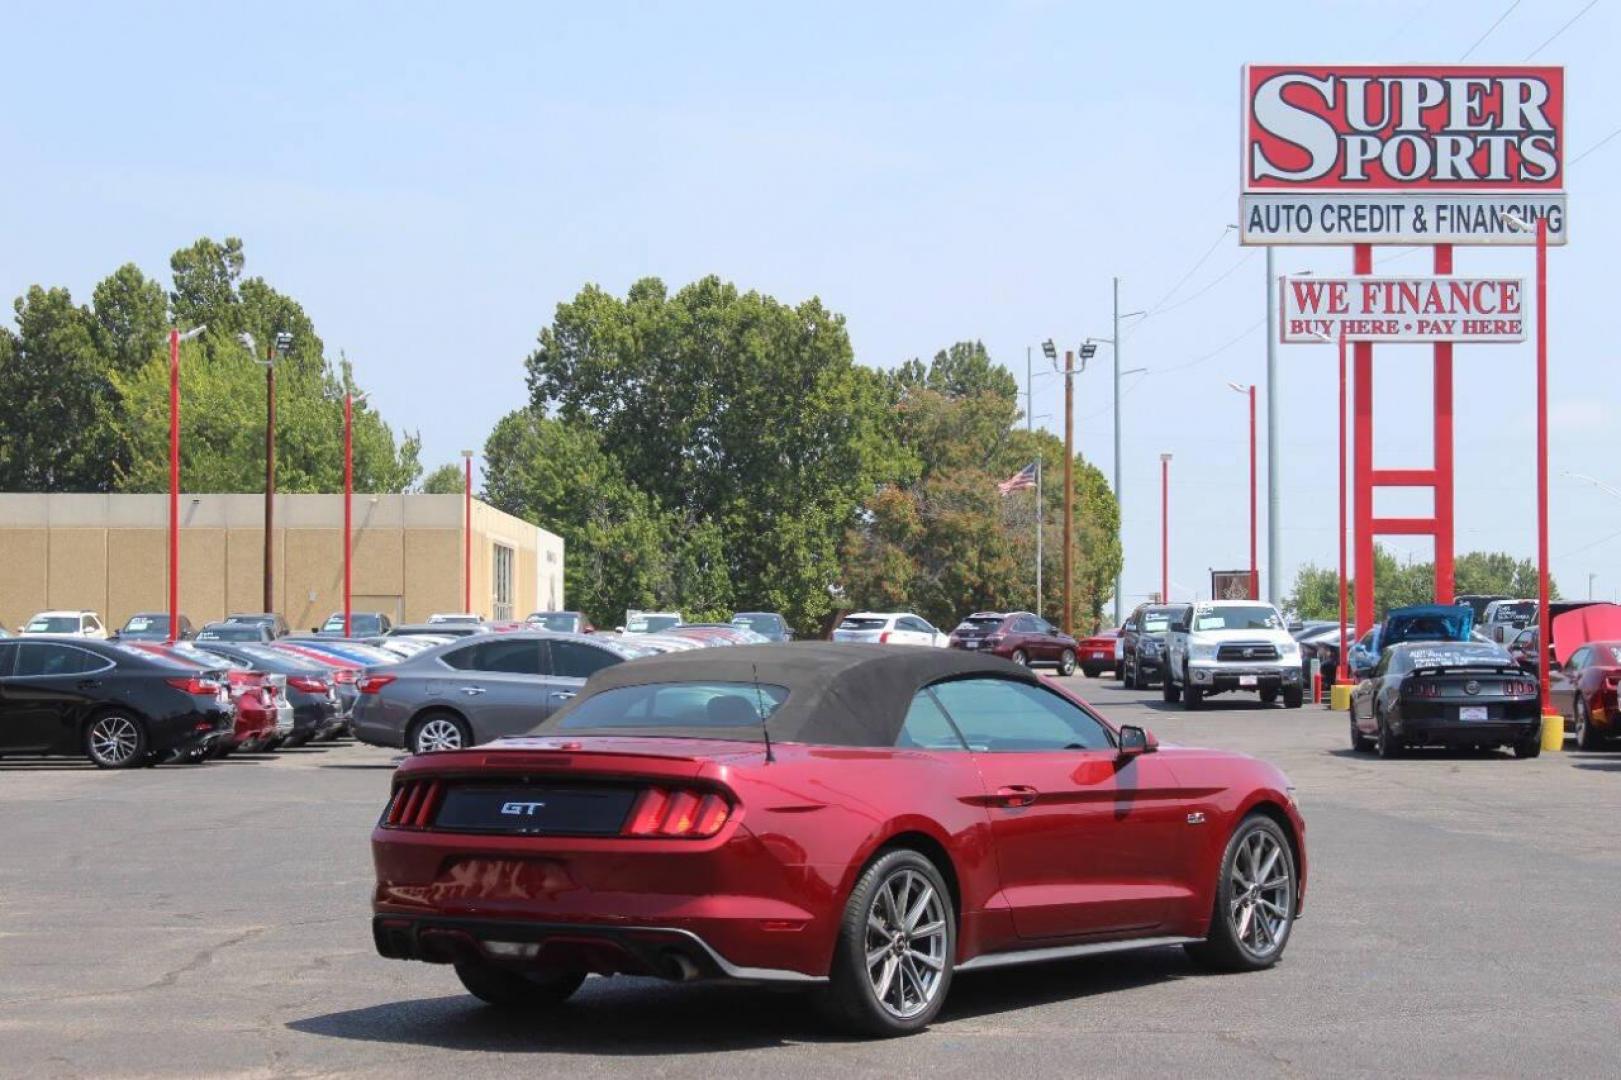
(1217,646)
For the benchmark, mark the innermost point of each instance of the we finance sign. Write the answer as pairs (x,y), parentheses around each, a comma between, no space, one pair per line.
(1426,154)
(1422,309)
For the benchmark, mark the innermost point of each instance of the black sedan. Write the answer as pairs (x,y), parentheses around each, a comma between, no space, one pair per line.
(116,705)
(317,713)
(1446,693)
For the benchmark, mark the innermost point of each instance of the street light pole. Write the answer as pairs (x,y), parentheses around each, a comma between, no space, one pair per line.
(1119,495)
(467,534)
(1273,519)
(1545,638)
(1165,528)
(1255,573)
(349,400)
(1069,488)
(175,338)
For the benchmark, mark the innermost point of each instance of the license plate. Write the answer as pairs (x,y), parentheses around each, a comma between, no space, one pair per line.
(1471,712)
(1246,680)
(970,644)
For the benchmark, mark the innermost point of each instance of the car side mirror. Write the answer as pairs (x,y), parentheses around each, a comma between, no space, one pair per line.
(1136,741)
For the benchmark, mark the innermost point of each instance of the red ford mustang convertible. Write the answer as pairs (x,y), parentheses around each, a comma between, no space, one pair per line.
(861,820)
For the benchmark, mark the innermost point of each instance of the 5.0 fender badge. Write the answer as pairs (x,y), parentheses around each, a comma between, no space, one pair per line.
(1195,818)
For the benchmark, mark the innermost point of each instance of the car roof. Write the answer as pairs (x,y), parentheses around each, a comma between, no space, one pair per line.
(63,614)
(839,694)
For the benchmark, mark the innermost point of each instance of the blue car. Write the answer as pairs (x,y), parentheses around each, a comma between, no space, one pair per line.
(1420,622)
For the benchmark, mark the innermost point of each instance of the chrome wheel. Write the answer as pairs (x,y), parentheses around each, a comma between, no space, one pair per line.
(905,943)
(1020,658)
(114,740)
(1261,898)
(1066,665)
(439,733)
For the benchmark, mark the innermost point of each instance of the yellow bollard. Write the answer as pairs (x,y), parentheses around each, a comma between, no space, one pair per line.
(1553,731)
(1339,696)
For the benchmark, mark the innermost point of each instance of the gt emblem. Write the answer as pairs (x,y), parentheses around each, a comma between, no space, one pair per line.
(521,809)
(1195,818)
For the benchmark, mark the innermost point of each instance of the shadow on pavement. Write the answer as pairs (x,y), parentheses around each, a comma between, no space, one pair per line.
(637,1017)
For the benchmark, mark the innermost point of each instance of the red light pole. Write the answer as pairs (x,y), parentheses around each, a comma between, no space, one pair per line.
(1165,528)
(348,504)
(1545,634)
(175,338)
(1255,572)
(467,534)
(1342,673)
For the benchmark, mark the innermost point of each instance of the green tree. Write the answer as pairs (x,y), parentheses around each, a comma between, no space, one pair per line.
(447,479)
(1316,593)
(57,429)
(732,410)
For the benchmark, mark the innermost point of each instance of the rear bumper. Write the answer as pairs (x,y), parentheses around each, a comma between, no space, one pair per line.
(660,951)
(1463,733)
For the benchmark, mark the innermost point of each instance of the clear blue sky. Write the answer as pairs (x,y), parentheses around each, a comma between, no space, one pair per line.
(431,180)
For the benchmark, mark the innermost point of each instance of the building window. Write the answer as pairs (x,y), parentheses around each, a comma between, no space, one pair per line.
(501,580)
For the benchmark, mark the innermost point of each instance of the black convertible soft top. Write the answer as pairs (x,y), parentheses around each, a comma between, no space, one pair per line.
(838,694)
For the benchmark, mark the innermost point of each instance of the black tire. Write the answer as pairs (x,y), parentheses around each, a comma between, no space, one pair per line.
(1066,662)
(115,740)
(1138,682)
(1169,690)
(432,733)
(1269,695)
(1224,947)
(1385,744)
(1359,742)
(1091,672)
(850,999)
(1586,737)
(1293,697)
(508,989)
(1529,747)
(1018,657)
(1192,697)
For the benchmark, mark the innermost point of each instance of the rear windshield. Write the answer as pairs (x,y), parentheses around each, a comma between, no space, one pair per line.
(866,624)
(1235,617)
(1513,612)
(1458,654)
(561,621)
(232,632)
(651,624)
(53,624)
(162,658)
(760,624)
(682,708)
(977,622)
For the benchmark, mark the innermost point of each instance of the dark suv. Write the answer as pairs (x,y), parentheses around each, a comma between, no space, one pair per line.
(1018,636)
(1142,650)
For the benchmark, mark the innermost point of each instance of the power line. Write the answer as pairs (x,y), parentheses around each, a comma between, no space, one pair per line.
(1217,280)
(1211,250)
(1568,24)
(1213,353)
(1481,39)
(1595,146)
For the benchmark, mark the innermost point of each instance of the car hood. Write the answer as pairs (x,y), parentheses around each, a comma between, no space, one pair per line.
(1573,629)
(1426,622)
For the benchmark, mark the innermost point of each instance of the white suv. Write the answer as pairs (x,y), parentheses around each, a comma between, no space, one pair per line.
(890,628)
(1216,646)
(85,624)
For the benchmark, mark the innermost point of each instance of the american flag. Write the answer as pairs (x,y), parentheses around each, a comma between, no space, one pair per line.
(1019,481)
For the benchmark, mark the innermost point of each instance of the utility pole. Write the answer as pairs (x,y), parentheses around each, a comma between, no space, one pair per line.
(1030,426)
(1273,554)
(1069,488)
(1165,528)
(1119,495)
(270,477)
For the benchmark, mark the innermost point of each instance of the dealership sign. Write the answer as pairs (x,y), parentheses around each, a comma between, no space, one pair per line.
(1429,154)
(1421,309)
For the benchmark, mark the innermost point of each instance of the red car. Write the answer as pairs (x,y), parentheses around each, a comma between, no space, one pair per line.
(1584,693)
(262,716)
(1097,653)
(1018,636)
(861,820)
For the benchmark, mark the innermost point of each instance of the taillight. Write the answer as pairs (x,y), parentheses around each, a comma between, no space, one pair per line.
(307,684)
(883,639)
(678,812)
(373,684)
(194,685)
(413,805)
(1423,689)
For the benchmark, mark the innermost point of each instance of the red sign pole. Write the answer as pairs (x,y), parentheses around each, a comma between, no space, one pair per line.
(1255,572)
(1362,263)
(1545,633)
(174,484)
(1443,451)
(1342,674)
(348,507)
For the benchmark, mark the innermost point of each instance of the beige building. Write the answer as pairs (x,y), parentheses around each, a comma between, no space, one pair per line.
(109,554)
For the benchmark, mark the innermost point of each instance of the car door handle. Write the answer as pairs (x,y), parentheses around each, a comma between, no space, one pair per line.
(562,695)
(472,690)
(1015,795)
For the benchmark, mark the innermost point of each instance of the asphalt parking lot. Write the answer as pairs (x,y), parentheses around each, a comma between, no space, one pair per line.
(212,920)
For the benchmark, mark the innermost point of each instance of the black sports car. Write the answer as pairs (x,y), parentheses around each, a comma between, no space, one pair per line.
(1446,693)
(114,704)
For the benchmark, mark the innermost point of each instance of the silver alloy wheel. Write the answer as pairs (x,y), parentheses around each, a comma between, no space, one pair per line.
(1020,658)
(1262,897)
(1066,665)
(905,944)
(114,739)
(438,734)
